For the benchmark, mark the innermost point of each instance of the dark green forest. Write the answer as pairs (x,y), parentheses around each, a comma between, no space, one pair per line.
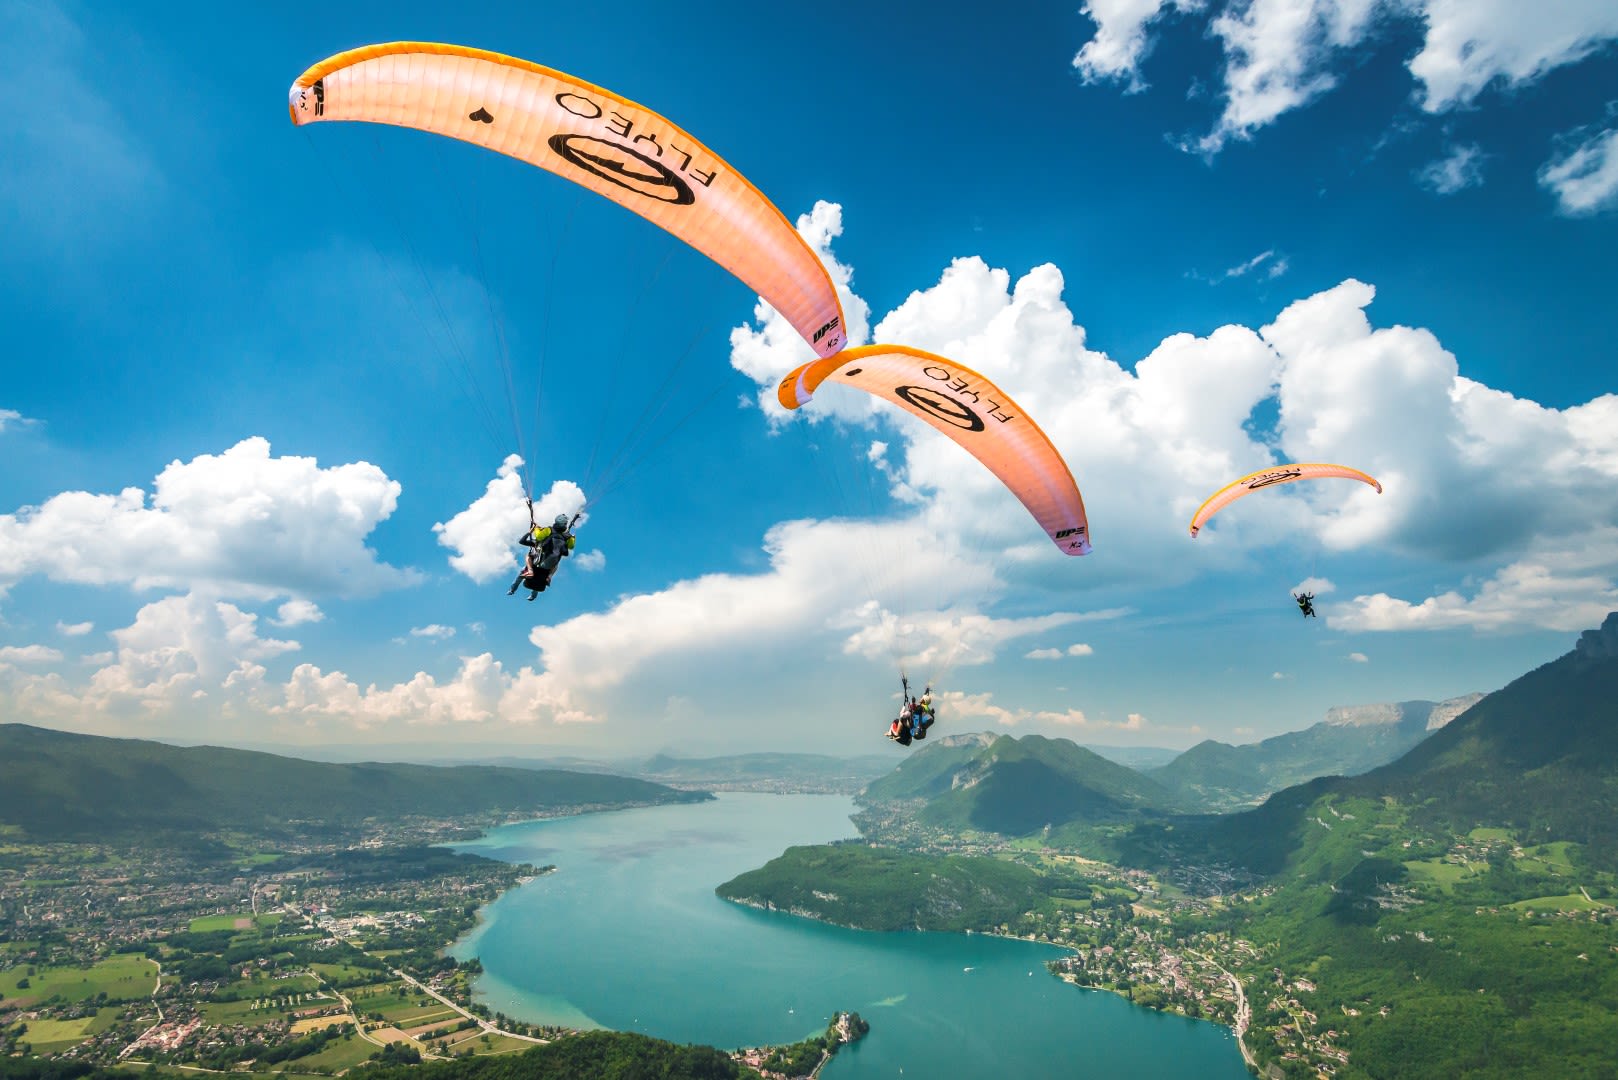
(61,786)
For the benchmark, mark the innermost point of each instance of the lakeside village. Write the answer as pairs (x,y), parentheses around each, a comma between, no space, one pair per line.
(1146,936)
(1123,940)
(315,961)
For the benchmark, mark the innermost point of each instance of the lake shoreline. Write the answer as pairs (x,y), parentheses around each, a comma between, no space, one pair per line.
(1067,978)
(643,886)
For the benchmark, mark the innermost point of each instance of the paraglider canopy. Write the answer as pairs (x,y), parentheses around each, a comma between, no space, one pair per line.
(972,411)
(1274,476)
(618,149)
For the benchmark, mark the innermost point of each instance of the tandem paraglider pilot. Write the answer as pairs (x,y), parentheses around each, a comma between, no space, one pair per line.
(547,546)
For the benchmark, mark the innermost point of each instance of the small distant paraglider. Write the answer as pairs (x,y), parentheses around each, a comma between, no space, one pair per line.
(1272,477)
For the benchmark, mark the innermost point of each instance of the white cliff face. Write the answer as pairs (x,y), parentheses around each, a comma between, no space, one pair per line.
(1364,715)
(1445,711)
(1403,712)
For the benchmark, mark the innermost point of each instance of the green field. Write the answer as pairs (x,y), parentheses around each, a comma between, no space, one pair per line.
(54,1036)
(208,923)
(1490,834)
(243,1012)
(422,1014)
(1573,902)
(390,1004)
(1437,872)
(1554,856)
(280,988)
(343,974)
(338,1055)
(500,1044)
(123,977)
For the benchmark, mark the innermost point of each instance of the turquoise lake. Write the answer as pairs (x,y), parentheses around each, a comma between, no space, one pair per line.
(628,934)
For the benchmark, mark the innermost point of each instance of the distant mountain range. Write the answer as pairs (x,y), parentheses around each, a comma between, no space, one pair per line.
(1354,739)
(1015,786)
(62,785)
(1539,757)
(734,772)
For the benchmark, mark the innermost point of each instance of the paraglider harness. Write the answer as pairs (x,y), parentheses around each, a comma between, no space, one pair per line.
(1306,604)
(547,554)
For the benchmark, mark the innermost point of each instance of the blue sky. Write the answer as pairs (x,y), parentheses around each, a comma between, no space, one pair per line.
(256,425)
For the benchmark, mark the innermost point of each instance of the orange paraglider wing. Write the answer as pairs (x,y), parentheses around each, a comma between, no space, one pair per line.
(972,411)
(618,149)
(1271,477)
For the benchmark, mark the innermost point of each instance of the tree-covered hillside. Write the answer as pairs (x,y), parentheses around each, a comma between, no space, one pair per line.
(61,785)
(881,889)
(1017,786)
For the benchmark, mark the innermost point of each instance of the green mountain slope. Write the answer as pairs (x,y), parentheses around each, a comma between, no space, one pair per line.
(1219,777)
(929,771)
(1538,757)
(1017,786)
(61,785)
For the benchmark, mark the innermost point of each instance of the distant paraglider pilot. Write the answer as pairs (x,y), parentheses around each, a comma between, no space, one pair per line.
(547,547)
(1306,604)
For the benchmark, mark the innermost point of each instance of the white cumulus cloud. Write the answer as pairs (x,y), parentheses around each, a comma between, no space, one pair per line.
(29,654)
(1552,588)
(1584,173)
(74,629)
(242,522)
(1280,55)
(1057,654)
(297,612)
(1121,41)
(1471,44)
(173,669)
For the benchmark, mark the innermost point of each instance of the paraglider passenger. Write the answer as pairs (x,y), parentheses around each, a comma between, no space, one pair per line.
(899,731)
(902,728)
(1306,604)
